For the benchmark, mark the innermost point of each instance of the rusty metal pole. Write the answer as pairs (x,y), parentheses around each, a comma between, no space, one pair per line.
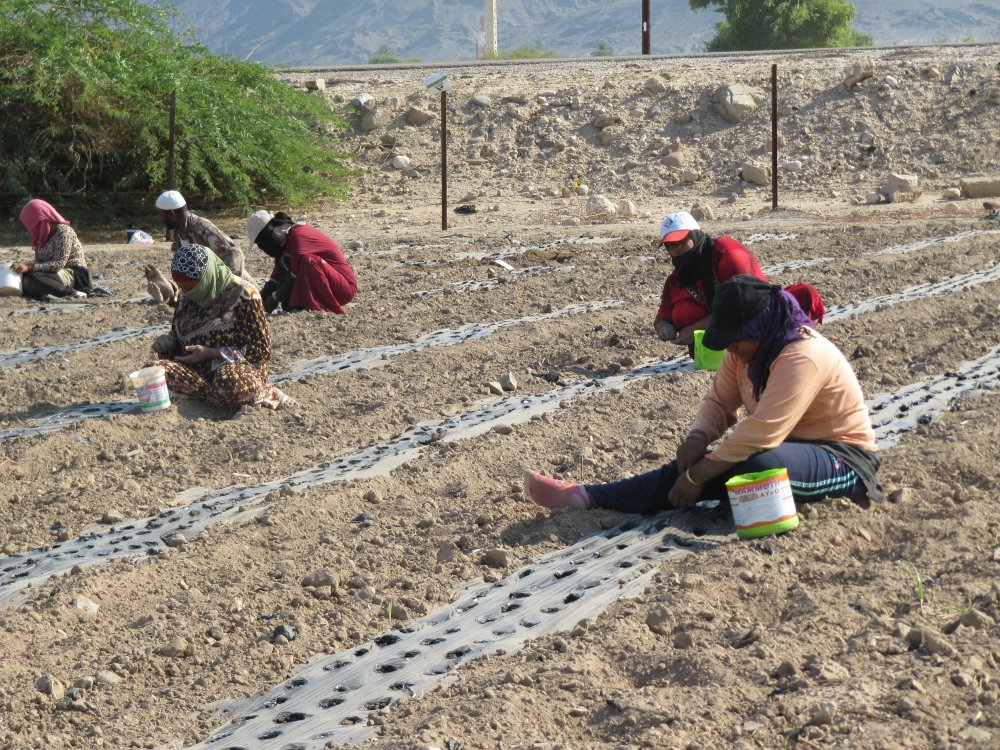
(170,141)
(774,137)
(444,160)
(645,27)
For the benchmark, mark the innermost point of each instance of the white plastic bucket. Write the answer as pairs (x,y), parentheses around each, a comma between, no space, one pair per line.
(762,503)
(151,388)
(10,281)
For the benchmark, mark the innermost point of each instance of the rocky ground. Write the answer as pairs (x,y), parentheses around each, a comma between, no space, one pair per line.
(872,628)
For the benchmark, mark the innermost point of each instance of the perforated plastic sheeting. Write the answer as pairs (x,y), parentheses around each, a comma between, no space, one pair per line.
(950,285)
(512,253)
(893,414)
(333,698)
(67,416)
(16,357)
(482,285)
(62,308)
(377,355)
(333,363)
(911,247)
(145,536)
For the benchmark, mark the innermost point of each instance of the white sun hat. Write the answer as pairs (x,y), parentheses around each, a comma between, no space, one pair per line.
(256,222)
(169,200)
(675,227)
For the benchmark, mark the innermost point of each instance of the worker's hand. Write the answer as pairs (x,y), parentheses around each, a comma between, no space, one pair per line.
(684,494)
(690,452)
(20,267)
(270,303)
(195,354)
(665,329)
(163,344)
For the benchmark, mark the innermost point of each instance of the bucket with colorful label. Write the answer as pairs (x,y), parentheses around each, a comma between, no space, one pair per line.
(151,388)
(762,503)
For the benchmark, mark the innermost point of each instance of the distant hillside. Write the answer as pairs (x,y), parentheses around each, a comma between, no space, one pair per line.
(314,32)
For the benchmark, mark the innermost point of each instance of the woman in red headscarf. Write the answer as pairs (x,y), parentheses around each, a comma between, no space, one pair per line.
(59,268)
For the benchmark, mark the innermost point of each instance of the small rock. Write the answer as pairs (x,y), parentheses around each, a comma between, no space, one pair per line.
(400,162)
(49,685)
(901,495)
(446,552)
(824,713)
(112,517)
(316,84)
(683,640)
(175,540)
(658,620)
(107,678)
(175,648)
(495,388)
(976,619)
(87,605)
(494,558)
(508,382)
(284,631)
(321,577)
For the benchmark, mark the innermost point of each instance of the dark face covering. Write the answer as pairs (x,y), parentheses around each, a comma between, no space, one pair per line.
(696,264)
(270,244)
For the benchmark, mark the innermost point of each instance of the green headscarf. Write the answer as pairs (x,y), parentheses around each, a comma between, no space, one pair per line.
(198,263)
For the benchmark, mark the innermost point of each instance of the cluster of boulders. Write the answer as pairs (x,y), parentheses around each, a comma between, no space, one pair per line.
(651,129)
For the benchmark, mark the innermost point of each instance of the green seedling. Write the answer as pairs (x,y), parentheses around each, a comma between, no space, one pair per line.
(918,582)
(388,610)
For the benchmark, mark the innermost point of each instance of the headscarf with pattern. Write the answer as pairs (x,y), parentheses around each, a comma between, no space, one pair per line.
(38,218)
(201,265)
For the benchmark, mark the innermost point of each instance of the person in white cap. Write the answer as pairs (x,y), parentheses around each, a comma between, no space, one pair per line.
(700,264)
(310,270)
(187,228)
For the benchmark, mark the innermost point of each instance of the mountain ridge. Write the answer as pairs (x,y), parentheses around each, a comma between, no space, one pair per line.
(313,32)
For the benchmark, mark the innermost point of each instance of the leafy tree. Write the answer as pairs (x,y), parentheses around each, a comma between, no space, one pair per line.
(385,55)
(84,113)
(783,24)
(603,49)
(524,52)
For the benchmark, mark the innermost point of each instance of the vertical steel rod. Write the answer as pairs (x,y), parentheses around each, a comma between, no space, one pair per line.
(774,137)
(170,141)
(444,160)
(646,27)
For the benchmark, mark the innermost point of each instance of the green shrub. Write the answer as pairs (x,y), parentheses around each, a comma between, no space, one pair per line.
(783,24)
(85,87)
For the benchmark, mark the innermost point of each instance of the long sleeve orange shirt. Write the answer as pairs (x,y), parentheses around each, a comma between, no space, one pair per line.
(812,394)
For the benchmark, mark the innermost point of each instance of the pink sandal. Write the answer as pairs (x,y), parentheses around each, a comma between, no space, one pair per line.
(555,493)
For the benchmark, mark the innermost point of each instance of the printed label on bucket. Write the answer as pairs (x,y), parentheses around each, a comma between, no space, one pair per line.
(151,388)
(154,395)
(762,503)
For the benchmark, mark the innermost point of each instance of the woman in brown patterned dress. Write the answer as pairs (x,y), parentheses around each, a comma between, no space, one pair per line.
(59,268)
(219,346)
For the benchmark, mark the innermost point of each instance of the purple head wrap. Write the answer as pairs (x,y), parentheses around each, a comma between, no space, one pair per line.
(776,326)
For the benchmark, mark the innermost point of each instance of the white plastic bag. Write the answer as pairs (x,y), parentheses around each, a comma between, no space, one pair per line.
(10,281)
(140,237)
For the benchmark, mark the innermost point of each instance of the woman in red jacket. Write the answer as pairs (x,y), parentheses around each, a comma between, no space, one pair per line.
(700,263)
(310,270)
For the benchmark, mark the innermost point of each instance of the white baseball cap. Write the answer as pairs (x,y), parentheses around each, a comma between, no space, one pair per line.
(170,200)
(675,227)
(256,222)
